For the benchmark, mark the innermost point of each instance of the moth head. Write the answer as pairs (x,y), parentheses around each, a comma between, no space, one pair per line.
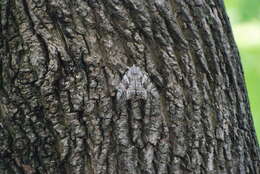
(134,71)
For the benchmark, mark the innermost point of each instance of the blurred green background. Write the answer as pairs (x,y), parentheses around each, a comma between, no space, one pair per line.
(245,20)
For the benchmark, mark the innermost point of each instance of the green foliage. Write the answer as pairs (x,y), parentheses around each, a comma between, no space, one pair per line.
(242,10)
(251,63)
(245,20)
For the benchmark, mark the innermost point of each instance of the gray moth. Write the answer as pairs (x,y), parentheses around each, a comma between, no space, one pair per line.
(134,85)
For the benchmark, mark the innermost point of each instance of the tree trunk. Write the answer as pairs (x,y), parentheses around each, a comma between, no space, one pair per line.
(61,69)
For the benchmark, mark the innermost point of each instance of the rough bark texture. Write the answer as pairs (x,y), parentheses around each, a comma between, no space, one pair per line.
(60,67)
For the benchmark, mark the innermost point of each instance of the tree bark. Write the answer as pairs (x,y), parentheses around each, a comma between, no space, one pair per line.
(60,68)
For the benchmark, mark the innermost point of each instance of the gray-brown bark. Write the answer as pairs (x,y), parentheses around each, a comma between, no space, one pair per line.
(62,61)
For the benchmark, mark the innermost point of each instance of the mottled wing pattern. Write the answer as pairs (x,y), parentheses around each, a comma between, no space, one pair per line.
(133,85)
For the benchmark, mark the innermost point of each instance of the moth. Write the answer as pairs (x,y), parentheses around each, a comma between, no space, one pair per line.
(134,85)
